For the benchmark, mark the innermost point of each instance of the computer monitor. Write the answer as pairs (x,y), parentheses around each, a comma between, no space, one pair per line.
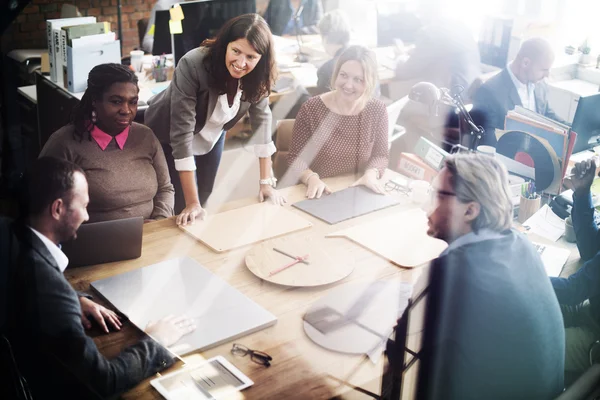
(203,19)
(587,123)
(395,22)
(162,36)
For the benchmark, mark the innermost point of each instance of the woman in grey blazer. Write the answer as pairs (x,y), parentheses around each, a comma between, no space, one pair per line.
(212,88)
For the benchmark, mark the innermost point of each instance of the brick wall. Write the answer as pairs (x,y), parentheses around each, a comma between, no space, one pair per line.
(29,29)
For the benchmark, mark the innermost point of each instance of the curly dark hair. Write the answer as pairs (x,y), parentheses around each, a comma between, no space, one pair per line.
(252,27)
(101,77)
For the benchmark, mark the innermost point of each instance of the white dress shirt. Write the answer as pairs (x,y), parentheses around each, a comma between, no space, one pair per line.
(60,257)
(526,91)
(212,131)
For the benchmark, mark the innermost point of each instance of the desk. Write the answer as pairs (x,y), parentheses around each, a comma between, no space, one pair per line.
(300,369)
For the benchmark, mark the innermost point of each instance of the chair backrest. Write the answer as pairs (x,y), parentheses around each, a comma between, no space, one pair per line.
(393,111)
(283,139)
(142,26)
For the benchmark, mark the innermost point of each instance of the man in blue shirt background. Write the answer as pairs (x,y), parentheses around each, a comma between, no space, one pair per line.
(579,294)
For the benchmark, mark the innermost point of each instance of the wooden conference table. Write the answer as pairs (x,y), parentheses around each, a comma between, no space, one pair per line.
(300,368)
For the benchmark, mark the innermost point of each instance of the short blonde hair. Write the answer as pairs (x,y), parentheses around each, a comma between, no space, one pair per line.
(482,179)
(367,60)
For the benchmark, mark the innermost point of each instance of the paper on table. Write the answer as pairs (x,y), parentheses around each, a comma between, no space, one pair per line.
(306,75)
(546,224)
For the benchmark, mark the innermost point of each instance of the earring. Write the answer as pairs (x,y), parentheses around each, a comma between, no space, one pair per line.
(94,119)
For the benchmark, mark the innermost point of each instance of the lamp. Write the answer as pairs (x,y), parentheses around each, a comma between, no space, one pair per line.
(430,95)
(301,58)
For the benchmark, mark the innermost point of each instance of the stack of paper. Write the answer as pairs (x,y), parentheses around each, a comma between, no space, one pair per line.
(546,224)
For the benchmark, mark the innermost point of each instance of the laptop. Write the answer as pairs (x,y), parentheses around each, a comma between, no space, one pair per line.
(554,258)
(103,242)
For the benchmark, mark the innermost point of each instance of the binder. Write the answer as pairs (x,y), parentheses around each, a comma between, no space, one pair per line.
(53,27)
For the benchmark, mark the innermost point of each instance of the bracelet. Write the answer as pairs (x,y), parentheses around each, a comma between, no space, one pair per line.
(310,176)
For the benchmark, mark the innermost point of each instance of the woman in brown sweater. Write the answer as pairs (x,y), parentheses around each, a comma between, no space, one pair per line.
(123,161)
(342,131)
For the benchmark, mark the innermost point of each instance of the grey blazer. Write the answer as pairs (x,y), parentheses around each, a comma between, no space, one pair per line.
(181,110)
(496,97)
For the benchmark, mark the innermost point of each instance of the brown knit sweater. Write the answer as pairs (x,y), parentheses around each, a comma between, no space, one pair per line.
(122,183)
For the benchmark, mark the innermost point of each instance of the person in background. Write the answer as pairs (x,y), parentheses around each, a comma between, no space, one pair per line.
(445,53)
(212,89)
(493,324)
(47,319)
(335,32)
(124,162)
(160,5)
(521,83)
(579,294)
(342,131)
(280,16)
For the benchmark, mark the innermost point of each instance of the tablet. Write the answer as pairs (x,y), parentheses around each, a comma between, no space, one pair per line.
(213,379)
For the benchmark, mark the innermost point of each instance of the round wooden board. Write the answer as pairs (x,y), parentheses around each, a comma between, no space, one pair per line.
(325,266)
(357,318)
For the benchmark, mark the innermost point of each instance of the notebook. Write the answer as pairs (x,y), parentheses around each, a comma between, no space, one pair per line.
(554,258)
(346,204)
(107,241)
(182,286)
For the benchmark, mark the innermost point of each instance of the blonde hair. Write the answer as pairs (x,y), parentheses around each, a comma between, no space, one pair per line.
(367,60)
(482,179)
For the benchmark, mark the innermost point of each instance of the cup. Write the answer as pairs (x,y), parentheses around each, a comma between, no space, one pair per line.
(528,207)
(488,150)
(420,191)
(569,231)
(159,74)
(137,60)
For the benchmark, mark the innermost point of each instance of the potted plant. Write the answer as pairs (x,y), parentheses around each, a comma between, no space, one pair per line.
(586,58)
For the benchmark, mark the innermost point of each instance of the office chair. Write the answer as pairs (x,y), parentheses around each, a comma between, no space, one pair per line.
(14,385)
(142,26)
(395,131)
(283,140)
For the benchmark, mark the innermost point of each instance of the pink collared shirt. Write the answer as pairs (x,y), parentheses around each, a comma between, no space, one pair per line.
(103,138)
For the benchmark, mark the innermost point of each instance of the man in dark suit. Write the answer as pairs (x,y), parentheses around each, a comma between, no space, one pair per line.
(280,16)
(519,84)
(46,317)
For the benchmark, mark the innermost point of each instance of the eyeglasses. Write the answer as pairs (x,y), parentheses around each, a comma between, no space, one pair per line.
(258,357)
(394,186)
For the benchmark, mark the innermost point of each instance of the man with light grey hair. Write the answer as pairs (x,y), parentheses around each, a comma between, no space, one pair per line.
(497,331)
(521,83)
(335,32)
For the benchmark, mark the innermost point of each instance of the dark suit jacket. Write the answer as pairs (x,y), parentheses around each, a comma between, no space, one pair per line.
(278,15)
(52,349)
(496,97)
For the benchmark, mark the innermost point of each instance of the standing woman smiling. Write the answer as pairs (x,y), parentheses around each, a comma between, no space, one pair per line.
(212,88)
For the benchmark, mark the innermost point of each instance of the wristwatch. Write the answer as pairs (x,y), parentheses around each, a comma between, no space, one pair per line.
(269,181)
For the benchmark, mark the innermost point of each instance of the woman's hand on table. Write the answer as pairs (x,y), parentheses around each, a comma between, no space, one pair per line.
(190,213)
(370,181)
(268,191)
(315,187)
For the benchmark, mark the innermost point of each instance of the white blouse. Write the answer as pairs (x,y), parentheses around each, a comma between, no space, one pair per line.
(205,140)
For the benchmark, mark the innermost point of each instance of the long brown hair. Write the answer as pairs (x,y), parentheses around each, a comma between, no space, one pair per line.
(252,27)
